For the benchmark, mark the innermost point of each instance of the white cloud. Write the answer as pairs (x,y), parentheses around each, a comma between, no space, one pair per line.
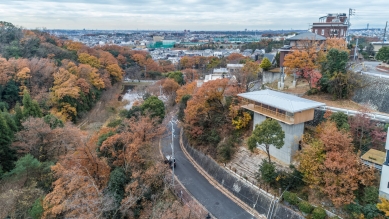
(186,14)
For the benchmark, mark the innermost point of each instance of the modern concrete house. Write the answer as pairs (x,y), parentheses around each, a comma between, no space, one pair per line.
(290,111)
(384,184)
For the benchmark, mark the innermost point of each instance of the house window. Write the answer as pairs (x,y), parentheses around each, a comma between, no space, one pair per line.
(322,32)
(315,31)
(342,32)
(388,184)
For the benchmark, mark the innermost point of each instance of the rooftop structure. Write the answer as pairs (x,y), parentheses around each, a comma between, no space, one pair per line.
(287,108)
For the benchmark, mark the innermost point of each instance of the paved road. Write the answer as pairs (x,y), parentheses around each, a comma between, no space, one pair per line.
(216,202)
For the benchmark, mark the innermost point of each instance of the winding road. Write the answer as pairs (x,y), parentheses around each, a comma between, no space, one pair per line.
(211,198)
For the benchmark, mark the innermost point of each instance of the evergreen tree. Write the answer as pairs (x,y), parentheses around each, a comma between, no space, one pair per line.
(18,117)
(265,64)
(7,155)
(30,107)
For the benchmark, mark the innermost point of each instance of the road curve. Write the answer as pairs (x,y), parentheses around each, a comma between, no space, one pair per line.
(211,198)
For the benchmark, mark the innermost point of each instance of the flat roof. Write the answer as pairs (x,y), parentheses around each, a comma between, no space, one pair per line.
(374,156)
(283,101)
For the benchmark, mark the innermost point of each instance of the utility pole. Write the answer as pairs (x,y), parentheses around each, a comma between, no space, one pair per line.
(172,122)
(351,12)
(355,50)
(383,39)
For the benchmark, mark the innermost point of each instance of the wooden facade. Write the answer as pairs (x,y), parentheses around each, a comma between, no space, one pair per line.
(278,114)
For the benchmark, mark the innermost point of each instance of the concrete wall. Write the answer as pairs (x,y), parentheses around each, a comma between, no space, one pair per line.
(293,134)
(269,77)
(384,190)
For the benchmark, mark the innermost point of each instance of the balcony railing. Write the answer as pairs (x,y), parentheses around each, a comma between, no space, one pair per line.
(268,112)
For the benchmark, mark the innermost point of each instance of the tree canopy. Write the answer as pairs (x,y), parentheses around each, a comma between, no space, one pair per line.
(269,132)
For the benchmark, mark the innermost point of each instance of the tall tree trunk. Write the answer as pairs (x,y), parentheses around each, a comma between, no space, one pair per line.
(268,152)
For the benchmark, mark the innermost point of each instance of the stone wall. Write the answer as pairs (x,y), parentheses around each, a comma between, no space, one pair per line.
(269,77)
(375,95)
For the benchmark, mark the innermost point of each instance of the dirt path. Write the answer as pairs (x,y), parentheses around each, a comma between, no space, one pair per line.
(104,108)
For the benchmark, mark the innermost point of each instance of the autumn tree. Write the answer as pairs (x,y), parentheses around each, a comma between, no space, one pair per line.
(190,75)
(384,206)
(170,86)
(366,133)
(304,63)
(78,190)
(207,113)
(42,141)
(266,134)
(85,58)
(187,89)
(235,57)
(341,172)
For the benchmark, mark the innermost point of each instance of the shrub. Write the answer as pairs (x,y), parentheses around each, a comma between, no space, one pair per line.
(291,198)
(370,195)
(36,210)
(305,207)
(312,91)
(319,213)
(114,123)
(104,137)
(267,172)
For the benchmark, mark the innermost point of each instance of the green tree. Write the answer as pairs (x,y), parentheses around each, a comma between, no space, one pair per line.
(18,115)
(27,164)
(370,195)
(265,134)
(30,107)
(4,106)
(117,181)
(154,107)
(182,106)
(53,121)
(7,155)
(177,76)
(36,210)
(341,120)
(383,54)
(267,172)
(265,64)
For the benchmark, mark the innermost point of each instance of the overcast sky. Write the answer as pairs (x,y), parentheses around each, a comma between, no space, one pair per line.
(187,14)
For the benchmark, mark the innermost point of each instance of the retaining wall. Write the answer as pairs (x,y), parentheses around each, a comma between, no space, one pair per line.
(238,187)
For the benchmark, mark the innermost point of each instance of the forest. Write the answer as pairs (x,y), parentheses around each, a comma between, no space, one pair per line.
(51,167)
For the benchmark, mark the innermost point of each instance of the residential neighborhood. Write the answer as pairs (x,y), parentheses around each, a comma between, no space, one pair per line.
(193,110)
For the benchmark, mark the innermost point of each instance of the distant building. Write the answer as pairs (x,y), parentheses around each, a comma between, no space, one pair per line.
(232,68)
(301,40)
(378,45)
(384,184)
(158,38)
(332,26)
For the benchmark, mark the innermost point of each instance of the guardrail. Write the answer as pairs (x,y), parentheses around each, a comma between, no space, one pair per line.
(373,116)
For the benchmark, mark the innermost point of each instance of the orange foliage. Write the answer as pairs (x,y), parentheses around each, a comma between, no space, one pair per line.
(65,84)
(190,74)
(78,190)
(170,86)
(342,172)
(115,71)
(187,89)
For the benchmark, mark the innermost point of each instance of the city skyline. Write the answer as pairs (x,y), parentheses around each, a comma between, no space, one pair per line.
(186,14)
